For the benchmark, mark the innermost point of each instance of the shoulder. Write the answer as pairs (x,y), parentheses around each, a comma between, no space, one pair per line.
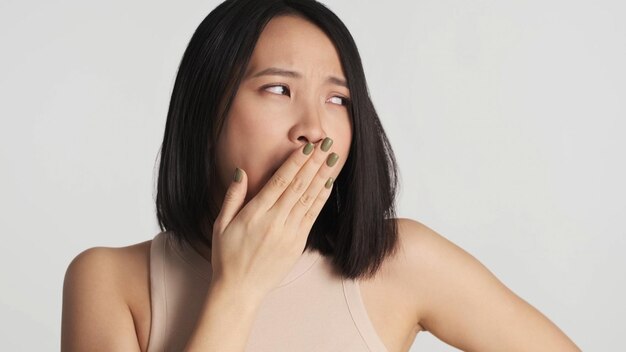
(429,255)
(420,240)
(433,266)
(97,264)
(120,271)
(111,264)
(100,288)
(443,277)
(463,303)
(419,248)
(419,254)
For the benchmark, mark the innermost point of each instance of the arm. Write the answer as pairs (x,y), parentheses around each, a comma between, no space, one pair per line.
(95,315)
(225,321)
(246,238)
(466,306)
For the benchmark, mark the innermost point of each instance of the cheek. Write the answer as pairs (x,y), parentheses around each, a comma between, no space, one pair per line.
(342,135)
(247,152)
(254,120)
(342,138)
(249,139)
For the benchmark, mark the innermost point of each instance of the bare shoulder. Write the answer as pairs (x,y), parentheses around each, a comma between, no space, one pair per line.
(99,287)
(116,266)
(464,304)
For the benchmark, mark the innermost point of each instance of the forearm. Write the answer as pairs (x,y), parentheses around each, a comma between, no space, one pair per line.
(225,321)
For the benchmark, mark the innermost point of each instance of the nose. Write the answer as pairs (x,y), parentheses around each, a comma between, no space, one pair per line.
(308,126)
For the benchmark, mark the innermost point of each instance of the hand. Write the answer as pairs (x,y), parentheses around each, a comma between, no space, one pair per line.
(255,248)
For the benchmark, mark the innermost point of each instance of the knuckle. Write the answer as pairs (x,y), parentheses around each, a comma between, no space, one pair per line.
(261,201)
(305,199)
(229,196)
(298,163)
(298,185)
(273,227)
(248,226)
(279,181)
(316,208)
(321,177)
(310,216)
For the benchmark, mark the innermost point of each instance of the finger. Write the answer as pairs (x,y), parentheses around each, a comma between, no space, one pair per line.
(282,178)
(297,202)
(308,219)
(233,199)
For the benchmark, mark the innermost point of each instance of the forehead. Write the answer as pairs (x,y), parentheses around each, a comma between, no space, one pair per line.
(295,42)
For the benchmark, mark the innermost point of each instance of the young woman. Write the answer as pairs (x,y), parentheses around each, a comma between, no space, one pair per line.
(276,199)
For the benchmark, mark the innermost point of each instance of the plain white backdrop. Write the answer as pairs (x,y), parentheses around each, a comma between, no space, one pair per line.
(507,119)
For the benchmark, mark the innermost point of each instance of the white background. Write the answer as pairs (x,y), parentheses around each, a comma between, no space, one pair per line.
(507,118)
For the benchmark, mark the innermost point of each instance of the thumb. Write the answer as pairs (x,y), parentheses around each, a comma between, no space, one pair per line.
(233,199)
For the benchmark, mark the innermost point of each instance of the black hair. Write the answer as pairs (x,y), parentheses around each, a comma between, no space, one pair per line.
(357,226)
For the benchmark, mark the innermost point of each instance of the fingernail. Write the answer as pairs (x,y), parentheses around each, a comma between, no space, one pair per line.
(238,175)
(329,183)
(308,148)
(332,159)
(326,144)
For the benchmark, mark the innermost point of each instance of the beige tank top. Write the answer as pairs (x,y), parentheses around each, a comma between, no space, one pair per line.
(312,309)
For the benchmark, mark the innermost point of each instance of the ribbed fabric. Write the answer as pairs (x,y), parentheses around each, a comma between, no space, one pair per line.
(313,309)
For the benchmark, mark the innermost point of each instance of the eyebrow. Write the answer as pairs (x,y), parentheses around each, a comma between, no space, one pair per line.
(275,71)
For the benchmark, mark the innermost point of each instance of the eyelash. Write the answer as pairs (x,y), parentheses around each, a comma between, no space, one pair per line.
(346,101)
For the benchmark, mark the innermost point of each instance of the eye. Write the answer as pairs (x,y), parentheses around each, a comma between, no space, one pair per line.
(278,89)
(339,100)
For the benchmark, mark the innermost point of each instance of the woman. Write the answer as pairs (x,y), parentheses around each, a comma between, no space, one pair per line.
(276,199)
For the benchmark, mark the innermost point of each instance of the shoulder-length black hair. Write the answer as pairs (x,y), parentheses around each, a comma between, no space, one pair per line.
(356,226)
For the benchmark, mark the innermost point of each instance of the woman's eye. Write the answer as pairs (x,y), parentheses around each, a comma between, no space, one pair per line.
(340,100)
(279,89)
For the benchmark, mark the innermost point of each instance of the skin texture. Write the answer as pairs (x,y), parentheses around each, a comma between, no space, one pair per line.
(430,284)
(274,114)
(265,124)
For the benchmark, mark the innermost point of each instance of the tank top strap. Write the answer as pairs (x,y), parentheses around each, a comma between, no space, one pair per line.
(286,319)
(158,301)
(354,300)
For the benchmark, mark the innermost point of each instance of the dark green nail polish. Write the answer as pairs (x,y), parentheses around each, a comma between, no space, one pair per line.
(332,159)
(326,144)
(329,183)
(238,175)
(308,148)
